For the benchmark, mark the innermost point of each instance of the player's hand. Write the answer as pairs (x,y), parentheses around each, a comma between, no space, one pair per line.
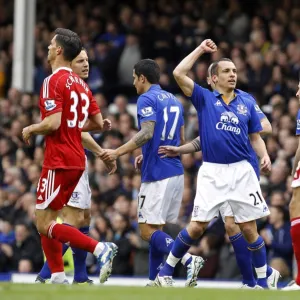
(168,151)
(106,125)
(265,164)
(138,162)
(111,166)
(109,155)
(26,134)
(208,46)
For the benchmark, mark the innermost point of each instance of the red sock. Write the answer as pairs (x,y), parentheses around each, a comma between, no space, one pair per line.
(72,236)
(295,233)
(53,252)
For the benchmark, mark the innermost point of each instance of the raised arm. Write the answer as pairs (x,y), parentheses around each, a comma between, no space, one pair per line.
(180,73)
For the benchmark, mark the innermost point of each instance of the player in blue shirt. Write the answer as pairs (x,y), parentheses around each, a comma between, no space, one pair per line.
(295,207)
(243,255)
(227,121)
(160,121)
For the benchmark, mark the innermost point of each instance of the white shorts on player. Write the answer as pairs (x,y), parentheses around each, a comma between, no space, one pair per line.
(235,185)
(81,197)
(160,201)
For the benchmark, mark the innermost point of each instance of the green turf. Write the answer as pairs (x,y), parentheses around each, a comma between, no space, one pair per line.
(11,291)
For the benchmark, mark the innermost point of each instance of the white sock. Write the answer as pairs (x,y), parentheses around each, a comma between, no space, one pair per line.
(261,272)
(58,277)
(99,248)
(185,258)
(172,260)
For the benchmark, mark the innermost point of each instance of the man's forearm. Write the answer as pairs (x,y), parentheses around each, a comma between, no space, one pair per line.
(259,147)
(191,147)
(42,128)
(89,143)
(187,63)
(296,161)
(141,138)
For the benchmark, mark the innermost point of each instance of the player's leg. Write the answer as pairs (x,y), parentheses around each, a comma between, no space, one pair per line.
(239,244)
(78,218)
(62,185)
(248,205)
(295,229)
(206,206)
(153,206)
(77,214)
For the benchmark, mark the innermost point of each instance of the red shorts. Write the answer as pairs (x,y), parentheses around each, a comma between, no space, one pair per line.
(55,187)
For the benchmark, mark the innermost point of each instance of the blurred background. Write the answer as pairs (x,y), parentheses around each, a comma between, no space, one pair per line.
(261,37)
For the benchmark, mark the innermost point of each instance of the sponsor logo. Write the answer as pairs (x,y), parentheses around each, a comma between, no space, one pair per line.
(257,108)
(265,208)
(218,103)
(169,241)
(242,109)
(228,122)
(147,111)
(196,211)
(50,105)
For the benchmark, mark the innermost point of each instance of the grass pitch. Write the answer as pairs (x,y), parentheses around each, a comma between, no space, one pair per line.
(13,291)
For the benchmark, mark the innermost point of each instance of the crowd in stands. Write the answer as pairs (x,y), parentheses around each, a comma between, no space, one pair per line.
(263,40)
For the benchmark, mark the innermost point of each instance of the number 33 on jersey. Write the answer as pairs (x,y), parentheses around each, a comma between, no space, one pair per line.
(65,92)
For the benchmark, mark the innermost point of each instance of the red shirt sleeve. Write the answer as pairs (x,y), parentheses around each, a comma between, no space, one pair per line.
(51,99)
(93,108)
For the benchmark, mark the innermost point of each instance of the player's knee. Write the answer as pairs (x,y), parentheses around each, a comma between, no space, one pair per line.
(196,229)
(230,227)
(249,232)
(146,231)
(42,227)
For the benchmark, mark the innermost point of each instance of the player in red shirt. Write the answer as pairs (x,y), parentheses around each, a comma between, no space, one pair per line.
(66,103)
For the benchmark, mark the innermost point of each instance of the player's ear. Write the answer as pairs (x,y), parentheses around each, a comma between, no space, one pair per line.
(208,80)
(59,50)
(214,78)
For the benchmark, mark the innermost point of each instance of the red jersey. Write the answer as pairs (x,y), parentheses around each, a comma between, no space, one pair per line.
(64,91)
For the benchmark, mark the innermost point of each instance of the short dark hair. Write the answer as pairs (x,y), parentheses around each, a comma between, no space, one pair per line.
(214,66)
(149,68)
(69,41)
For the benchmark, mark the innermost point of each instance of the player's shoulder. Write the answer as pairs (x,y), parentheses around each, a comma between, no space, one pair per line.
(246,96)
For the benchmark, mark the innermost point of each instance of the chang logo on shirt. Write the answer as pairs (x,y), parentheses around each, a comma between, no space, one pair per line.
(50,104)
(228,122)
(147,111)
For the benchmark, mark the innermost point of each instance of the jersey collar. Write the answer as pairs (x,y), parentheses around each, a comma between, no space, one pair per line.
(216,93)
(154,87)
(62,68)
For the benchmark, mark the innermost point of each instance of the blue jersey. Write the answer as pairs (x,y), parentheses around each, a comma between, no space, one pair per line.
(253,156)
(298,123)
(166,111)
(223,128)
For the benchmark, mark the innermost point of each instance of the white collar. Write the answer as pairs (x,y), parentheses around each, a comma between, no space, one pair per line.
(62,68)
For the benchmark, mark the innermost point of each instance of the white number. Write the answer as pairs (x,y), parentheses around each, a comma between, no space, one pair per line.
(44,183)
(84,109)
(173,109)
(72,123)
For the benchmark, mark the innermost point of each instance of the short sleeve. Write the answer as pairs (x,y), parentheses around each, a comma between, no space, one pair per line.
(197,96)
(93,108)
(51,100)
(254,121)
(259,112)
(146,109)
